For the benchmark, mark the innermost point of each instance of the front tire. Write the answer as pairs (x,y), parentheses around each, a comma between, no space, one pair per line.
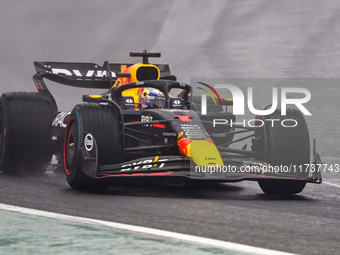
(103,123)
(286,146)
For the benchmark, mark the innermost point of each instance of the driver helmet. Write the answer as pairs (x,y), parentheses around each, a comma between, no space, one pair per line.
(151,98)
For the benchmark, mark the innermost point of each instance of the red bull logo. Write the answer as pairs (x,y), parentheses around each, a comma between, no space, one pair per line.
(184,145)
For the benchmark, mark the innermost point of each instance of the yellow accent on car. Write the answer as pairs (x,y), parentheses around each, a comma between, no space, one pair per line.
(95,96)
(122,68)
(137,69)
(205,153)
(139,72)
(156,159)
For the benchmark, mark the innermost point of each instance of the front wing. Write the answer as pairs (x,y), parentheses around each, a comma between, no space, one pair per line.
(235,169)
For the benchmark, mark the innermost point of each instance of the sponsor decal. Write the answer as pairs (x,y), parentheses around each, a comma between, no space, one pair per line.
(177,102)
(59,120)
(248,163)
(193,131)
(129,101)
(138,83)
(88,142)
(90,73)
(183,144)
(146,118)
(175,110)
(144,164)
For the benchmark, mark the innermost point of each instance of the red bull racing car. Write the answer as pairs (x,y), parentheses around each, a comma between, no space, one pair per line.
(137,128)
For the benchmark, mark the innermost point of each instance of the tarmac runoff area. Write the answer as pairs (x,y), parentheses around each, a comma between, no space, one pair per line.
(29,231)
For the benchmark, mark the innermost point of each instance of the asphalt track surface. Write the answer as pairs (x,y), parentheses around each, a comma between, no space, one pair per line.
(219,39)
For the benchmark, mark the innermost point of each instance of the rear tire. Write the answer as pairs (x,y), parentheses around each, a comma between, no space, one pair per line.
(25,130)
(285,146)
(103,123)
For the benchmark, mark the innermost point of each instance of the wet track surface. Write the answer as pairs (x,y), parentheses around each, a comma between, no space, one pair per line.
(306,223)
(229,39)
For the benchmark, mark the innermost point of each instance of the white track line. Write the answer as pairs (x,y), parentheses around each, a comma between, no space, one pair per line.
(331,184)
(161,233)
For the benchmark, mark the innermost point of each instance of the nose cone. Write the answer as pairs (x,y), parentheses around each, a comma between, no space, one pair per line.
(202,152)
(205,153)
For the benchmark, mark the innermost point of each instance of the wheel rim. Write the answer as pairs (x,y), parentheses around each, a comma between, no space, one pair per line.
(70,149)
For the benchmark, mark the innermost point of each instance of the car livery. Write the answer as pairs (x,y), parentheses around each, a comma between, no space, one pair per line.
(120,134)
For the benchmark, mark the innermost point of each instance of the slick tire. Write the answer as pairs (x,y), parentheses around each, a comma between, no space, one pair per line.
(286,146)
(25,130)
(103,123)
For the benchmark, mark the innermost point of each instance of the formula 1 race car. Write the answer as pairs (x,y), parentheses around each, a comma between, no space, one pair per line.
(137,128)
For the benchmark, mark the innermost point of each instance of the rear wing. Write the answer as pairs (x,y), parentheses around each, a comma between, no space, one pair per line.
(83,75)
